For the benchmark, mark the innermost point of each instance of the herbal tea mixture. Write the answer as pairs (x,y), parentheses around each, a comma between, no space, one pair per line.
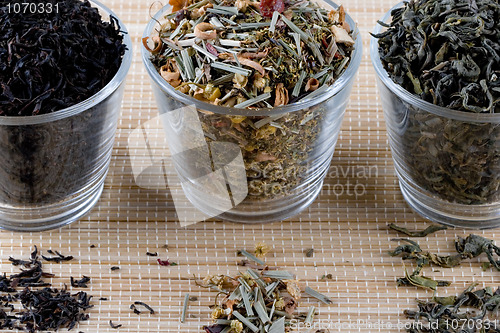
(247,54)
(261,299)
(54,57)
(448,53)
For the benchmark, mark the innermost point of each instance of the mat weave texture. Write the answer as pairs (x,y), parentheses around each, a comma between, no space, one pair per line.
(347,230)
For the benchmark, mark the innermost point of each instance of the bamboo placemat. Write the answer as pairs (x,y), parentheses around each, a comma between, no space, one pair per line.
(348,232)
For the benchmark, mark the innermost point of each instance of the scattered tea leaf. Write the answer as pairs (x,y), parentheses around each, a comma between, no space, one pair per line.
(475,245)
(58,258)
(318,295)
(256,301)
(113,325)
(82,283)
(150,309)
(184,308)
(44,309)
(252,257)
(429,230)
(309,253)
(441,314)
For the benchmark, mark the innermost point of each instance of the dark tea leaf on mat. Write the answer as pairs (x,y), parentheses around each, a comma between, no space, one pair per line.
(423,233)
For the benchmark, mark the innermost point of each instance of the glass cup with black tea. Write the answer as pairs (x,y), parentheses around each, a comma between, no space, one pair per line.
(438,74)
(60,97)
(251,98)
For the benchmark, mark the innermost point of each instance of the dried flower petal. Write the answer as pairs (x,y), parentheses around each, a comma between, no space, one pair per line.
(205,31)
(170,72)
(226,56)
(255,55)
(217,313)
(261,248)
(240,81)
(264,157)
(293,288)
(236,326)
(250,63)
(265,132)
(267,7)
(342,36)
(290,305)
(281,95)
(199,12)
(157,42)
(177,4)
(241,5)
(211,49)
(312,84)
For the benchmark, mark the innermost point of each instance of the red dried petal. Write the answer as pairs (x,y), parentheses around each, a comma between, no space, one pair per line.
(211,49)
(279,6)
(267,7)
(166,262)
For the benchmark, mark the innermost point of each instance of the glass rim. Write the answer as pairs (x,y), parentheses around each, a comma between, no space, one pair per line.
(412,99)
(93,100)
(339,84)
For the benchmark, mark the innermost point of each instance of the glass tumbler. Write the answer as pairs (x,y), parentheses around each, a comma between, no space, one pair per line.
(447,161)
(53,166)
(214,168)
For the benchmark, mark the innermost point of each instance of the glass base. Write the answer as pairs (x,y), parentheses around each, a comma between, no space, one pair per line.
(51,216)
(253,212)
(448,213)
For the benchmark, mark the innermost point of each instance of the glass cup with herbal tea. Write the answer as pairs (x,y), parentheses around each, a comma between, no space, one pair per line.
(438,69)
(60,97)
(252,96)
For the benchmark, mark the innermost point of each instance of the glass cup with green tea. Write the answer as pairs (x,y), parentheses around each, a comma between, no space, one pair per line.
(438,69)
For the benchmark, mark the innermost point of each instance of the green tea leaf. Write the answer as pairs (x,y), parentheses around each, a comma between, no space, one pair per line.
(429,230)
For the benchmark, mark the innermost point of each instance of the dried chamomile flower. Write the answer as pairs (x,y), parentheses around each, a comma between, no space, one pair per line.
(236,326)
(217,313)
(261,248)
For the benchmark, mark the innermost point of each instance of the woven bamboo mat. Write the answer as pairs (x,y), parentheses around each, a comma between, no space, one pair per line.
(348,231)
